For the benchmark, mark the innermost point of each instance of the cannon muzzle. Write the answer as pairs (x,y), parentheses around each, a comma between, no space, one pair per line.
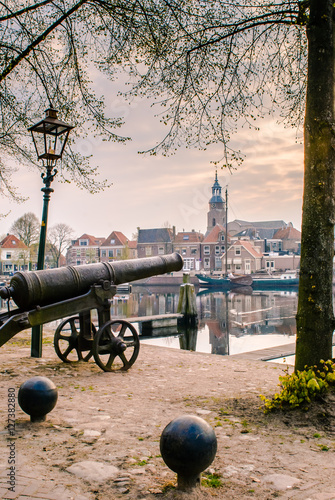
(39,288)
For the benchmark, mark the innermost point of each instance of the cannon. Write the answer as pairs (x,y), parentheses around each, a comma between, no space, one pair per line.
(71,293)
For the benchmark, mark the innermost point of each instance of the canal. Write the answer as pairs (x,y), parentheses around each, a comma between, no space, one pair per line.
(229,322)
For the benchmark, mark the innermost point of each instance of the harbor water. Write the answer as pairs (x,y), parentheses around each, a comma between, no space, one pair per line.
(229,322)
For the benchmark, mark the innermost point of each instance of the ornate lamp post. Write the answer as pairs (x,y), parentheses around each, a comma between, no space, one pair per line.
(50,137)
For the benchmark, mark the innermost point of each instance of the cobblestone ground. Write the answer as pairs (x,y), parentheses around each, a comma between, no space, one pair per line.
(101,441)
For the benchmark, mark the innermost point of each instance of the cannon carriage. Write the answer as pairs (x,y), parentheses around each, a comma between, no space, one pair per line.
(73,293)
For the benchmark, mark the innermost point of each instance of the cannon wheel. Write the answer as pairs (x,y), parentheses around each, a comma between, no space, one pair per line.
(68,345)
(116,346)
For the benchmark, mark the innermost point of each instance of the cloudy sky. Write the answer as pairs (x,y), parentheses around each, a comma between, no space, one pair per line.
(148,191)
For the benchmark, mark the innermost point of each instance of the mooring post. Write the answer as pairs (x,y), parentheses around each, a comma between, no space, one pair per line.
(187,305)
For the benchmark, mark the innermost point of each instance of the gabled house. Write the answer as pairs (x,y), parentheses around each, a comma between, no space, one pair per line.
(243,258)
(188,245)
(84,250)
(117,247)
(151,242)
(290,239)
(213,247)
(14,255)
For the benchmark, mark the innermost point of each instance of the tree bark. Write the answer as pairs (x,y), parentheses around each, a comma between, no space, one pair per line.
(315,318)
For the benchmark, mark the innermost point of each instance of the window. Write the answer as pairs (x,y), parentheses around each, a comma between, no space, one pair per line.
(183,251)
(160,250)
(206,250)
(186,237)
(8,255)
(222,237)
(148,251)
(223,248)
(118,252)
(112,242)
(83,243)
(110,253)
(217,250)
(13,242)
(193,251)
(188,264)
(206,262)
(238,267)
(237,250)
(103,253)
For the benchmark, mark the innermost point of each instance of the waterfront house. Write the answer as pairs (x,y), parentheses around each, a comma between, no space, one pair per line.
(84,250)
(188,245)
(213,247)
(290,239)
(14,255)
(158,241)
(242,258)
(116,247)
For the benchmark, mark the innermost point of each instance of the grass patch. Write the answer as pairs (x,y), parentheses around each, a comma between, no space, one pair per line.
(211,480)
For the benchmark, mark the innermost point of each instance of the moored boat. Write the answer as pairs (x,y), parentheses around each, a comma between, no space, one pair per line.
(240,279)
(285,280)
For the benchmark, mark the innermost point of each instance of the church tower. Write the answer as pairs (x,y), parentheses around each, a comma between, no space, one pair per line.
(217,207)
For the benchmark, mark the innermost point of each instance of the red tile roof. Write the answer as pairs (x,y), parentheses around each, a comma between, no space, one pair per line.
(213,236)
(288,233)
(118,237)
(92,240)
(11,241)
(249,247)
(191,237)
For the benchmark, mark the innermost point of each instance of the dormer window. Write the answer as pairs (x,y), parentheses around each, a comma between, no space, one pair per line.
(186,237)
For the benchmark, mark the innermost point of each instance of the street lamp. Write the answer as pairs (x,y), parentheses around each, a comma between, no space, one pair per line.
(50,137)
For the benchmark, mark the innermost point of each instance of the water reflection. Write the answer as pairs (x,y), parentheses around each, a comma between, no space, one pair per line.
(229,322)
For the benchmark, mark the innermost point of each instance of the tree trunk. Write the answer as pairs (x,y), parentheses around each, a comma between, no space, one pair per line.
(315,319)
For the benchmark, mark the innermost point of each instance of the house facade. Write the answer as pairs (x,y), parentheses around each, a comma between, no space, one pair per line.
(188,245)
(213,247)
(117,247)
(243,258)
(152,242)
(84,250)
(14,255)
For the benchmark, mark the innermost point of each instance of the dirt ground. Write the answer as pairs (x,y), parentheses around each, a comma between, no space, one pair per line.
(106,427)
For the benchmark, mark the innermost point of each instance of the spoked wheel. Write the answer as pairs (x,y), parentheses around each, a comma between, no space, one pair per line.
(69,346)
(116,346)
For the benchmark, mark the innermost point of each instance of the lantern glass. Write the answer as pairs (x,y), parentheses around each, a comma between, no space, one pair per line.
(50,136)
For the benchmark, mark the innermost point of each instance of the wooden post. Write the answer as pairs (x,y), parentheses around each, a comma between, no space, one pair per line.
(187,305)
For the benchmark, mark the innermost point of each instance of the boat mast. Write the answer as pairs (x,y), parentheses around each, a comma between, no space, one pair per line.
(226,255)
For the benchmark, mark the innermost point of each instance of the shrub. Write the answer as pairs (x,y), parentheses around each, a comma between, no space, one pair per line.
(301,387)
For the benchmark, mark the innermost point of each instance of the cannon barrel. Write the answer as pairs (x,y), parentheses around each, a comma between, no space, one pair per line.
(38,288)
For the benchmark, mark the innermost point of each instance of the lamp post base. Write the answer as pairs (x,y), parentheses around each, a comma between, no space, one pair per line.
(36,341)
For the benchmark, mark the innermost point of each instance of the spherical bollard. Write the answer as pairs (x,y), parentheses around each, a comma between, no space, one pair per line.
(188,446)
(37,397)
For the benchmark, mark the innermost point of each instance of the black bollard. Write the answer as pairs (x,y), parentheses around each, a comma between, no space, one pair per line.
(188,446)
(37,397)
